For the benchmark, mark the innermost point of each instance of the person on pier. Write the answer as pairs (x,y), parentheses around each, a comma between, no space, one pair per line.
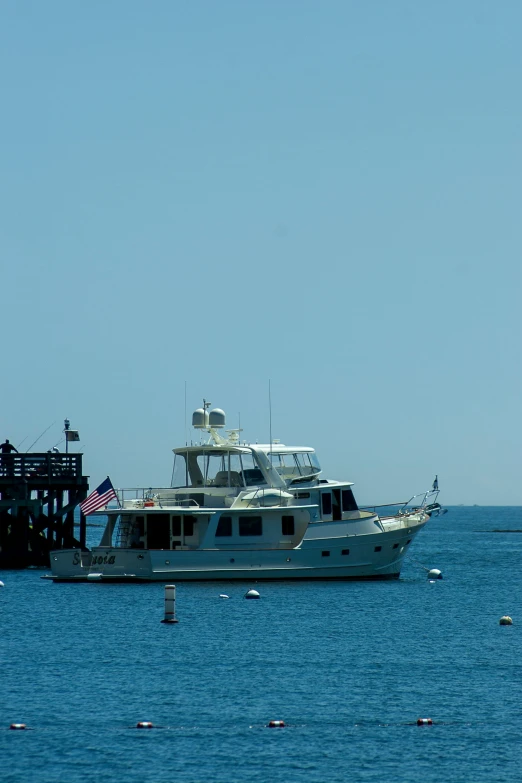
(7,460)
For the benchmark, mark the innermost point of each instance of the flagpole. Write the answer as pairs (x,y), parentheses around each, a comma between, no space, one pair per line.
(117,496)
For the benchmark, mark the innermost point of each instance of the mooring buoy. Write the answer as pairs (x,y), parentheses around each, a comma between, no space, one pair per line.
(506,620)
(19,726)
(170,605)
(252,594)
(434,573)
(276,724)
(144,724)
(424,722)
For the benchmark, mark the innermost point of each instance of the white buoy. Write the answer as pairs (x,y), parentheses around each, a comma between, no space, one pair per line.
(224,596)
(252,594)
(434,573)
(170,604)
(144,724)
(2,584)
(506,620)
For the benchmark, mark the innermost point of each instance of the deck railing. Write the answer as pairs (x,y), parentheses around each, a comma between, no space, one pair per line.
(37,468)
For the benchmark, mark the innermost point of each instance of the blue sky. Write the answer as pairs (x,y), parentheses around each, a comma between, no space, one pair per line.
(323,194)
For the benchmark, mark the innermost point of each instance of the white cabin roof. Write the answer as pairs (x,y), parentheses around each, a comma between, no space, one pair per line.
(212,447)
(280,448)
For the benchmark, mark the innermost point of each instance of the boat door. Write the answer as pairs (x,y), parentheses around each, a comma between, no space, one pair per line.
(176,531)
(326,506)
(336,505)
(331,505)
(184,530)
(189,530)
(158,531)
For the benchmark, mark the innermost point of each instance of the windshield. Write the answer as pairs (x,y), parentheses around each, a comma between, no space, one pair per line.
(292,466)
(216,469)
(180,476)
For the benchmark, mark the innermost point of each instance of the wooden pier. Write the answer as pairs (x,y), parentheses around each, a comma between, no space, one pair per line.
(39,494)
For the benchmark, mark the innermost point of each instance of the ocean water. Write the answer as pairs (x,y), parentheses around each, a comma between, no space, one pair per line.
(348,666)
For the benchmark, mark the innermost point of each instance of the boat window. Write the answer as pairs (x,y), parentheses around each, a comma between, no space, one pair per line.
(224,527)
(180,476)
(301,494)
(326,553)
(229,474)
(349,503)
(326,500)
(137,532)
(188,526)
(293,466)
(286,465)
(235,467)
(251,471)
(314,462)
(303,462)
(211,465)
(377,548)
(345,552)
(250,526)
(176,526)
(287,525)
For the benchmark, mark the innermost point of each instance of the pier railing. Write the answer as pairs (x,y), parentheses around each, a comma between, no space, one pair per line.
(37,468)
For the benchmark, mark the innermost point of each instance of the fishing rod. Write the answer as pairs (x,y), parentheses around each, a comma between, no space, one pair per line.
(41,436)
(22,442)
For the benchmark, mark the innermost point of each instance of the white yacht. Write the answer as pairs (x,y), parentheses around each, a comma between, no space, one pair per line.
(244,511)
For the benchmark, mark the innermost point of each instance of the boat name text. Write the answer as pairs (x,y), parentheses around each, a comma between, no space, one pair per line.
(96,560)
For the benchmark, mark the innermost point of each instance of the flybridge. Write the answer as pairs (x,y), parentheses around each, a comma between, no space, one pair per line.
(225,462)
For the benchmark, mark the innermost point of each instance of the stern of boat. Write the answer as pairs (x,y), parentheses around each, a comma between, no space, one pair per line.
(69,563)
(100,564)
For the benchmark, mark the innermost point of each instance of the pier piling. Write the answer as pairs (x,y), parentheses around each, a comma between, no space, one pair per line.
(39,493)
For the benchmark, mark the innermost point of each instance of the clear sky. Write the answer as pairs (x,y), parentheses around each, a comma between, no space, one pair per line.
(326,194)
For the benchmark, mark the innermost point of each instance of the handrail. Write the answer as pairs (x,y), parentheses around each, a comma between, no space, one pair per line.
(429,493)
(405,504)
(154,495)
(40,466)
(384,505)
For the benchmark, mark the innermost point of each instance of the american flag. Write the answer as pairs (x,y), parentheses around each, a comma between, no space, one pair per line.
(100,497)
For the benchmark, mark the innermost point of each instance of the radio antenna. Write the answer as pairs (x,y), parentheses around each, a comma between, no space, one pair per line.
(270,416)
(185,413)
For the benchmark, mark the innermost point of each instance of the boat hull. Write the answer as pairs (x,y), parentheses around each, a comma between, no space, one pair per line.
(377,555)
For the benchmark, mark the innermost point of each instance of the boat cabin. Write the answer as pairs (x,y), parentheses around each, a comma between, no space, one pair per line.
(244,528)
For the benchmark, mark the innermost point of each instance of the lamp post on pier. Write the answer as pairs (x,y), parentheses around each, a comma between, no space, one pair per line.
(70,435)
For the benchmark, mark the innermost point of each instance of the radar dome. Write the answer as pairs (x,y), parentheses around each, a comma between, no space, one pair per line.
(217,418)
(200,418)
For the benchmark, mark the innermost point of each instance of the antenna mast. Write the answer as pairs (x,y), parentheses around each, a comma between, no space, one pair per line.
(185,413)
(270,416)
